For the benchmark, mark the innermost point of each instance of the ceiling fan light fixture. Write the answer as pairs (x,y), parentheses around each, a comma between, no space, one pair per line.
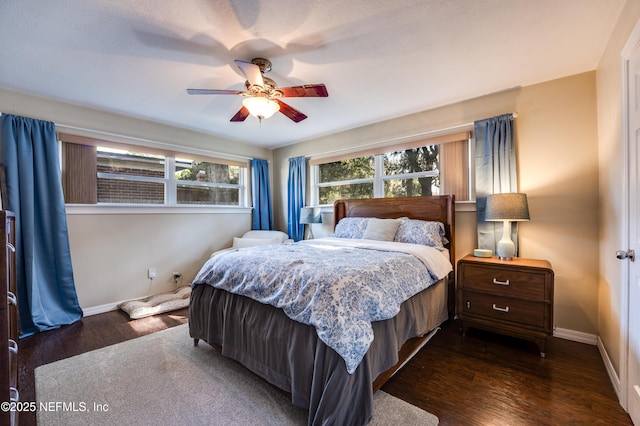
(261,107)
(262,97)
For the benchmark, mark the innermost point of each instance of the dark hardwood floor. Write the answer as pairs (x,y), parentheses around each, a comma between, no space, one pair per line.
(489,379)
(480,379)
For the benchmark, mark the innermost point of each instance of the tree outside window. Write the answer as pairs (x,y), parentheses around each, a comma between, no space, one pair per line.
(406,173)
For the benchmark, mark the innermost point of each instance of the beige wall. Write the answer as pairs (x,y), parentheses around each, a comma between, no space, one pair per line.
(112,252)
(611,183)
(556,142)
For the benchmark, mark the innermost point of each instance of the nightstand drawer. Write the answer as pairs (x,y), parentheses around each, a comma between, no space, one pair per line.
(505,281)
(511,297)
(502,308)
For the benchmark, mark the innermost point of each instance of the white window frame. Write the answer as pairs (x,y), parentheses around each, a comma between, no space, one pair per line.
(378,179)
(171,185)
(170,205)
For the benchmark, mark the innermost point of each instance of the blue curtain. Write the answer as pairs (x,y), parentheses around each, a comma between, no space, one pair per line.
(261,195)
(495,173)
(46,290)
(295,191)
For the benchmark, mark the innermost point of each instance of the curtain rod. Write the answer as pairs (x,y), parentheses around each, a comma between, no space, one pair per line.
(153,143)
(408,138)
(513,115)
(202,151)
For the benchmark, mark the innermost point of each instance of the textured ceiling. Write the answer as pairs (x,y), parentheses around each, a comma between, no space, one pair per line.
(379,59)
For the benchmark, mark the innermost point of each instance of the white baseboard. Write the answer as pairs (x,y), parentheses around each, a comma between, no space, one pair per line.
(615,380)
(576,336)
(591,339)
(94,310)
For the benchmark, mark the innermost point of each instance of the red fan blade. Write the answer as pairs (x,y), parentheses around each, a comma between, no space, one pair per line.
(240,115)
(213,92)
(291,112)
(251,72)
(306,91)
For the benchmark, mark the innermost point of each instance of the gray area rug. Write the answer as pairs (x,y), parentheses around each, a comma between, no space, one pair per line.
(163,379)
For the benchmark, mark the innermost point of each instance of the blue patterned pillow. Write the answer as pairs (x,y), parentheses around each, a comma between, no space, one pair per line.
(421,232)
(351,227)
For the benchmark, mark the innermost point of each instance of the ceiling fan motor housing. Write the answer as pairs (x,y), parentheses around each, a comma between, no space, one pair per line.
(263,64)
(269,87)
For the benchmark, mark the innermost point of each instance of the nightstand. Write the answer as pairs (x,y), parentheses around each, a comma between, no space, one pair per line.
(512,297)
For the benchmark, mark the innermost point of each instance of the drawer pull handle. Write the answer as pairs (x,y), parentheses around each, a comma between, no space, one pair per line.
(13,346)
(14,395)
(11,299)
(11,247)
(495,281)
(498,308)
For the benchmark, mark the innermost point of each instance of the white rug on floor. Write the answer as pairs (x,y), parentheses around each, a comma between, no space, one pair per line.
(163,379)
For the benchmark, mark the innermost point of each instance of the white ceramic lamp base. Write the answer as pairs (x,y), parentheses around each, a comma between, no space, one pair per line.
(506,249)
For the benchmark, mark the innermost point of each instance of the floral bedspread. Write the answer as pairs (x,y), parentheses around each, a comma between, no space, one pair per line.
(339,286)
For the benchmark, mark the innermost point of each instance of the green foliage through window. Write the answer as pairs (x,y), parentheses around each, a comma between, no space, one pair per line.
(407,173)
(200,182)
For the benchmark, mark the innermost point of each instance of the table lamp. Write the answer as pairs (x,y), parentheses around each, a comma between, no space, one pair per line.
(310,215)
(506,208)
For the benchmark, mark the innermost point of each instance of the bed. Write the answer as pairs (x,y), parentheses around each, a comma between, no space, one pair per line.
(334,378)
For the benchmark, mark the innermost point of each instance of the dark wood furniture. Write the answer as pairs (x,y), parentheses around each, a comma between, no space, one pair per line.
(8,318)
(510,297)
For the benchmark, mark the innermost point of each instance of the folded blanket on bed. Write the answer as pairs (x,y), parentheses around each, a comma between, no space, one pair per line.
(339,287)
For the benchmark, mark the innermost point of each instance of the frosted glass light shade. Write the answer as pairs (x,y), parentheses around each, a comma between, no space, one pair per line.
(261,107)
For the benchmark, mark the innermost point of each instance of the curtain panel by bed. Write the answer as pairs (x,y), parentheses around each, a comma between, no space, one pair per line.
(46,290)
(495,173)
(261,195)
(295,191)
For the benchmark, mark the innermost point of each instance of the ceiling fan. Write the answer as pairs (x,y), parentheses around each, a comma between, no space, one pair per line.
(262,98)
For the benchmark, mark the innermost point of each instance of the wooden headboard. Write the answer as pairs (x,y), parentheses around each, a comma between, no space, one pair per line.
(439,208)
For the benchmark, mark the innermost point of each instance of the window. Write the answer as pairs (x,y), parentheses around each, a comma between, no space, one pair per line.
(428,167)
(99,172)
(130,177)
(201,182)
(411,172)
(352,178)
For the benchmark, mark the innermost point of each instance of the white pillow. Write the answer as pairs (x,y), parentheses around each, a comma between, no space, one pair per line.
(381,229)
(266,234)
(251,242)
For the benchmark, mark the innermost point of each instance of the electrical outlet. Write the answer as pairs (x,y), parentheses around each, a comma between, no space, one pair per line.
(151,273)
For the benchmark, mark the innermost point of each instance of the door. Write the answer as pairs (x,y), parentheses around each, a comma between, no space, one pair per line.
(633,176)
